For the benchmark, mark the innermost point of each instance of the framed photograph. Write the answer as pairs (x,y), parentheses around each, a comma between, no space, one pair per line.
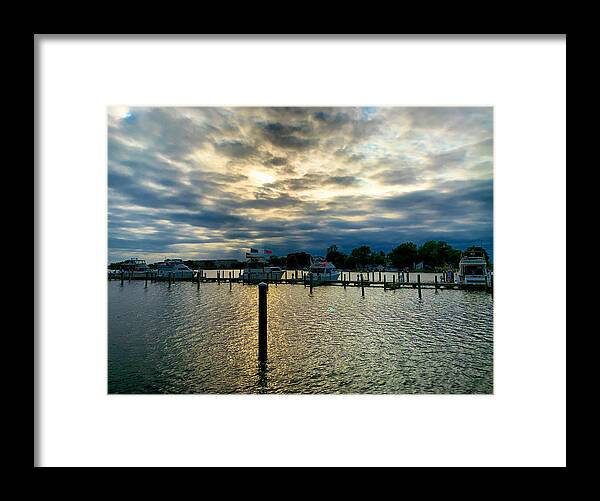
(299,251)
(333,250)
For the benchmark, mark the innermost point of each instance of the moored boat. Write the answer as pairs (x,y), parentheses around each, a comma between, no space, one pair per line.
(472,270)
(322,271)
(173,269)
(258,269)
(131,268)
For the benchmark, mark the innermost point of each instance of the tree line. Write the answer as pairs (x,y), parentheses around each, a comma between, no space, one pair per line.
(434,254)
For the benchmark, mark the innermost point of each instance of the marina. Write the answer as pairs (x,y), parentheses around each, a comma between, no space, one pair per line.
(264,319)
(305,250)
(384,280)
(190,337)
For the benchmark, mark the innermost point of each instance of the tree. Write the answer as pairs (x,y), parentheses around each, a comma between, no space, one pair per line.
(277,261)
(291,262)
(454,258)
(430,254)
(362,255)
(438,254)
(336,257)
(404,255)
(298,259)
(349,263)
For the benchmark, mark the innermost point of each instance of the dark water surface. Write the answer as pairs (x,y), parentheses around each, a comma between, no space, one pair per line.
(184,340)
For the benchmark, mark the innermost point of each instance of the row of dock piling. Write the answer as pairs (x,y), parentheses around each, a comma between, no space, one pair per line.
(399,281)
(346,281)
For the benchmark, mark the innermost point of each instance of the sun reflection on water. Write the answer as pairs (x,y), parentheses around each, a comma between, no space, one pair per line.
(184,340)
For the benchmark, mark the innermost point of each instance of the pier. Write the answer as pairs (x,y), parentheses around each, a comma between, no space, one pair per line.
(360,280)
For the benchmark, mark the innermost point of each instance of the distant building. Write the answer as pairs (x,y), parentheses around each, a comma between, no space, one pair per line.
(419,266)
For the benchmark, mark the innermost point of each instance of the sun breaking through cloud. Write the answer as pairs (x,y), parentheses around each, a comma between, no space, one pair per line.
(202,183)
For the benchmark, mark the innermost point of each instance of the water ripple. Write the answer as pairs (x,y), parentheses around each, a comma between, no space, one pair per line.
(184,340)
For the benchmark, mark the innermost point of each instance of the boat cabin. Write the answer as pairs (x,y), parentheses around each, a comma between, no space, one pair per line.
(472,269)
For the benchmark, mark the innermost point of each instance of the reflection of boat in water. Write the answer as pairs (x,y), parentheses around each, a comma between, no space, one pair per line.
(257,269)
(173,268)
(322,271)
(472,270)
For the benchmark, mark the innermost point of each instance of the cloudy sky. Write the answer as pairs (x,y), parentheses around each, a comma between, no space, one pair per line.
(211,182)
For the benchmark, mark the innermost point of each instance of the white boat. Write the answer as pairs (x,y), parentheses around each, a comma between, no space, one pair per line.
(322,270)
(132,268)
(174,269)
(472,270)
(257,269)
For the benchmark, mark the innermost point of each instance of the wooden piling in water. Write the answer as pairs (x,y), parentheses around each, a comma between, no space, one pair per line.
(311,283)
(380,276)
(436,284)
(419,284)
(146,281)
(122,277)
(230,281)
(262,322)
(407,277)
(362,285)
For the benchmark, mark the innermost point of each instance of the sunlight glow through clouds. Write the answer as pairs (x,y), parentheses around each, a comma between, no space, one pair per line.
(262,177)
(295,179)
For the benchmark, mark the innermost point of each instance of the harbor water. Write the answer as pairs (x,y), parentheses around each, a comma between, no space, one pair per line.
(181,339)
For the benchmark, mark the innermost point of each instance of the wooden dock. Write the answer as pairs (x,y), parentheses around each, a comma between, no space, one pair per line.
(359,282)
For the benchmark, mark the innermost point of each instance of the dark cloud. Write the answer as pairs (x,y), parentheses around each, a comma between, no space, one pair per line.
(235,149)
(277,161)
(401,176)
(292,136)
(348,156)
(313,181)
(444,160)
(209,181)
(164,130)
